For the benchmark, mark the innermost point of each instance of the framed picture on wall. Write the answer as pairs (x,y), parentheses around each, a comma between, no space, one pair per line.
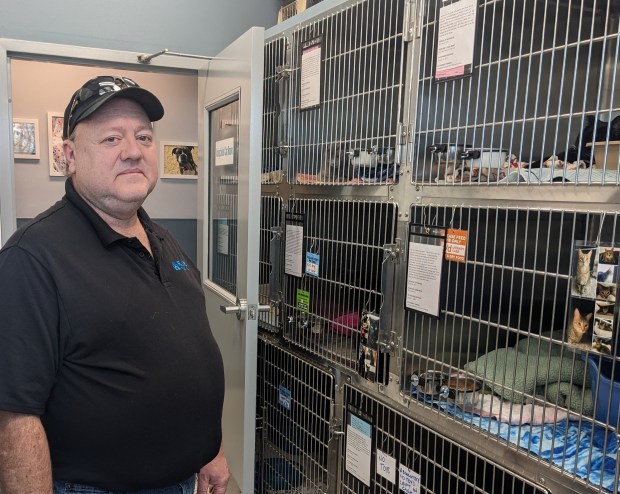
(57,162)
(26,138)
(178,160)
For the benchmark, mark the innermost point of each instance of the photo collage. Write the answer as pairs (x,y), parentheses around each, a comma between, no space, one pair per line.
(592,320)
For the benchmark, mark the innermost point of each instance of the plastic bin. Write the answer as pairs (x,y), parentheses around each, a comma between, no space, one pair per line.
(608,389)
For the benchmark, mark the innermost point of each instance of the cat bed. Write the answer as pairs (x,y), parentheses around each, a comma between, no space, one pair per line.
(549,175)
(535,367)
(577,447)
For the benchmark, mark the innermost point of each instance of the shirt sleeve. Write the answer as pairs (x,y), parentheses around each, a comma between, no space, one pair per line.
(29,332)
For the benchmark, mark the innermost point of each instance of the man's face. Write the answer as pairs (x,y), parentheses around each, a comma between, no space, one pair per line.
(112,159)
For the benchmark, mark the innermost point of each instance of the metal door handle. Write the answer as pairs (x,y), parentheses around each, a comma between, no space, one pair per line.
(264,308)
(240,308)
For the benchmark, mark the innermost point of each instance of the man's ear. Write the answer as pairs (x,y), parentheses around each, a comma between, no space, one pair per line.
(68,147)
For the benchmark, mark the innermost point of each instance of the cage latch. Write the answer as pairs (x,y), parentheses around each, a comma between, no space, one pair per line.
(275,281)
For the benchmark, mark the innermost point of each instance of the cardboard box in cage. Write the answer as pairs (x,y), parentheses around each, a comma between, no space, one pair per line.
(613,153)
(293,8)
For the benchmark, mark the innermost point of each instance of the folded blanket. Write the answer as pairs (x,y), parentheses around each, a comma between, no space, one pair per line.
(536,367)
(514,413)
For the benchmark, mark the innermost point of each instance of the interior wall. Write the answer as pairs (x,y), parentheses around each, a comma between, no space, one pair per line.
(42,87)
(188,26)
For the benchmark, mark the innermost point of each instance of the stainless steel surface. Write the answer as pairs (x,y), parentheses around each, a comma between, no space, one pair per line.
(294,408)
(541,69)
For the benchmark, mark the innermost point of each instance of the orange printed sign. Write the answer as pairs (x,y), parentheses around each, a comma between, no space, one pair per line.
(456,245)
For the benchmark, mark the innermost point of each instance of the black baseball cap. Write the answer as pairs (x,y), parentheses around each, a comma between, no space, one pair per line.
(92,95)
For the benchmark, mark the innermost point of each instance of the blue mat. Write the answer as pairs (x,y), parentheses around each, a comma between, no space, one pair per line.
(567,444)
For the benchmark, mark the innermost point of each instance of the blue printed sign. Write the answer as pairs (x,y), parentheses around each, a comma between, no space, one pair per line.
(284,397)
(312,263)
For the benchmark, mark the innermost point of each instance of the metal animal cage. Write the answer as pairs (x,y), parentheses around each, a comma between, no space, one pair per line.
(343,125)
(440,465)
(543,85)
(349,238)
(295,406)
(501,352)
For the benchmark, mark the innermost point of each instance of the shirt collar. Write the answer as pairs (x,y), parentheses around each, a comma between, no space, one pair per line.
(106,234)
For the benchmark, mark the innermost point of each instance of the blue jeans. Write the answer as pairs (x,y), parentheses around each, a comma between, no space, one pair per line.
(185,487)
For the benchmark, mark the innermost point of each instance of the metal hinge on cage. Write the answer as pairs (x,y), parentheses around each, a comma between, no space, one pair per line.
(413,20)
(335,428)
(403,137)
(283,74)
(275,280)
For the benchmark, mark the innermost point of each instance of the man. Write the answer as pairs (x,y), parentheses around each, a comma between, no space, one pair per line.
(110,378)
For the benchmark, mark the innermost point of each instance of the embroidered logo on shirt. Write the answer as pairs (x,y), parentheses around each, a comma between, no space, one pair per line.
(180,266)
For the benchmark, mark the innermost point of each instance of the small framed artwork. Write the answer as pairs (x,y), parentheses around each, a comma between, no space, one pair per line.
(178,160)
(26,138)
(57,161)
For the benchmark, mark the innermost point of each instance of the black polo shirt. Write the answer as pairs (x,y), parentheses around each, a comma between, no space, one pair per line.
(111,347)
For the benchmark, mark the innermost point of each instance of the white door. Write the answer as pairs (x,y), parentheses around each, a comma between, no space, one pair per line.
(231,88)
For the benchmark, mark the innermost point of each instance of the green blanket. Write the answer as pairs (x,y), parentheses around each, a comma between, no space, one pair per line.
(536,367)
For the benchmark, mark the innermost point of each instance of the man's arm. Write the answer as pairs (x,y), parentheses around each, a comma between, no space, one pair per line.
(213,477)
(25,465)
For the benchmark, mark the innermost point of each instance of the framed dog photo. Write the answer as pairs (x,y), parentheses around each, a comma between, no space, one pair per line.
(26,138)
(57,161)
(178,160)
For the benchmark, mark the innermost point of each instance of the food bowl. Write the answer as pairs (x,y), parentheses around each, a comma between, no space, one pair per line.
(428,383)
(485,158)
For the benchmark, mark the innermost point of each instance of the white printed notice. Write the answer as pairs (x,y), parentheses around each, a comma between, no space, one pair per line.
(424,276)
(455,40)
(293,250)
(408,480)
(358,449)
(310,85)
(222,237)
(225,152)
(386,466)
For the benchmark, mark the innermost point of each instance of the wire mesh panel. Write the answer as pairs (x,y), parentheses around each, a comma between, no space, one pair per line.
(348,237)
(525,349)
(270,223)
(544,85)
(344,122)
(296,399)
(275,56)
(441,466)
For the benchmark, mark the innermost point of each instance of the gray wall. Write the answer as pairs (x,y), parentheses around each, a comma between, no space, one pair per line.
(188,26)
(35,190)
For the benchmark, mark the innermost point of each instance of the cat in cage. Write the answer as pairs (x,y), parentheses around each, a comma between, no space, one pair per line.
(584,284)
(578,333)
(608,256)
(606,293)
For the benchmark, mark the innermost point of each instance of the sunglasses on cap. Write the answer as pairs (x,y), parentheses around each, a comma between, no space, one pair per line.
(92,95)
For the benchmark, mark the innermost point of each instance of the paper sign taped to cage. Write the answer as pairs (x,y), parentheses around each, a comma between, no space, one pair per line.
(455,40)
(312,263)
(284,397)
(425,262)
(456,245)
(408,480)
(293,250)
(310,85)
(386,466)
(358,448)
